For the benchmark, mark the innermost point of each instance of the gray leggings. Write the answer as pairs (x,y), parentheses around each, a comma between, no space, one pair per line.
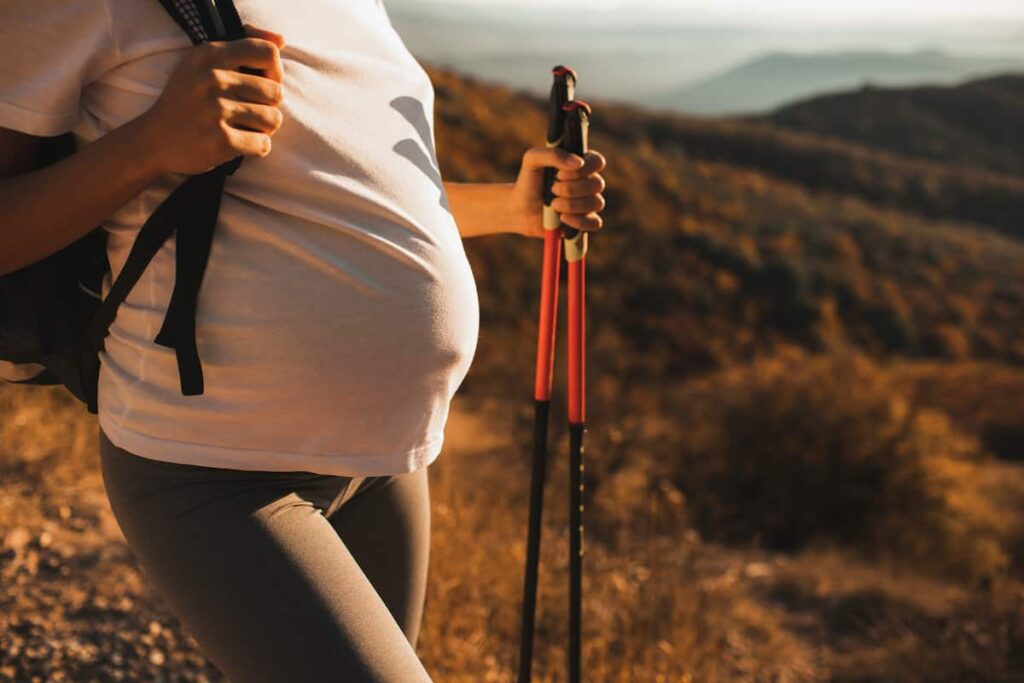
(282,576)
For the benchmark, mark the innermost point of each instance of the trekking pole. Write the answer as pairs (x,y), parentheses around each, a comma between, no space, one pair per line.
(562,90)
(577,125)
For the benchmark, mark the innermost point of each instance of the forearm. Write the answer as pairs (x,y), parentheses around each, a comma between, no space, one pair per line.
(483,208)
(47,209)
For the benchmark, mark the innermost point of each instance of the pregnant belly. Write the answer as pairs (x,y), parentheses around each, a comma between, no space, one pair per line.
(346,326)
(314,338)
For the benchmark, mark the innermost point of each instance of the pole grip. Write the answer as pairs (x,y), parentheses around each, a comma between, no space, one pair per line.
(563,90)
(563,87)
(577,128)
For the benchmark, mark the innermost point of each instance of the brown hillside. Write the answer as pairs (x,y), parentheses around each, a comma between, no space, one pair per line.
(974,124)
(708,261)
(805,391)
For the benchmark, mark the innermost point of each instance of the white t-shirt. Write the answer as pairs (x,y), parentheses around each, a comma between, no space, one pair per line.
(338,314)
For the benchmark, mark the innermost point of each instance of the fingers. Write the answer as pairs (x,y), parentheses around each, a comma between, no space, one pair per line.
(249,143)
(539,158)
(586,222)
(250,88)
(581,205)
(578,185)
(258,117)
(595,162)
(578,197)
(254,53)
(579,188)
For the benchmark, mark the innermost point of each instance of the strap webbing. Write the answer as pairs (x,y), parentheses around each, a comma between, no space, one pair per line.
(192,252)
(191,210)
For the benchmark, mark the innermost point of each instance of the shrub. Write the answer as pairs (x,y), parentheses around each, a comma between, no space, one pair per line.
(984,398)
(796,449)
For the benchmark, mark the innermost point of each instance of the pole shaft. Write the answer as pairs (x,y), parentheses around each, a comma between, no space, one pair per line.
(548,316)
(577,412)
(577,124)
(577,340)
(537,478)
(576,431)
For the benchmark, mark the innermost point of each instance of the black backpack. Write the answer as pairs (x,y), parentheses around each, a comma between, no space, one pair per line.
(53,322)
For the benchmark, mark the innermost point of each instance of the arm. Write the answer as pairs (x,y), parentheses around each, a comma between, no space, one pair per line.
(483,209)
(494,208)
(47,209)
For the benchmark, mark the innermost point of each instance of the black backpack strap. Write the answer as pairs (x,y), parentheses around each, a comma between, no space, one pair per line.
(191,211)
(202,20)
(192,253)
(232,23)
(205,20)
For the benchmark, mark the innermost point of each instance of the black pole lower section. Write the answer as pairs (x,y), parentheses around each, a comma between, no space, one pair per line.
(575,548)
(540,454)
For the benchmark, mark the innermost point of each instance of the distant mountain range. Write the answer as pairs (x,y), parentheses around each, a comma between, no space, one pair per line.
(777,78)
(517,47)
(687,60)
(977,123)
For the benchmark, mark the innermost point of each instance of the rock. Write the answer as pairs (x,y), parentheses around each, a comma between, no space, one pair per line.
(17,539)
(757,570)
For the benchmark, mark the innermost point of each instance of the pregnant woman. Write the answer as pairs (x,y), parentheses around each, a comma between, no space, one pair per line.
(284,513)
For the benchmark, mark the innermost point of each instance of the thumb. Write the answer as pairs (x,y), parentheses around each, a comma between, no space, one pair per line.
(543,157)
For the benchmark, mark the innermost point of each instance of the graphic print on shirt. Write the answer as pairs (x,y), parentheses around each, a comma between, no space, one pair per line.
(412,110)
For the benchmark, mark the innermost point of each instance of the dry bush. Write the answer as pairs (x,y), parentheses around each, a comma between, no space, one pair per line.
(41,425)
(983,398)
(796,450)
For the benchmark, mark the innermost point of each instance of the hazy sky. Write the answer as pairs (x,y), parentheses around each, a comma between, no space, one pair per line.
(880,11)
(639,48)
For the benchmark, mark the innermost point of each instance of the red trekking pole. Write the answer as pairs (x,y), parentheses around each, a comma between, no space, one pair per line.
(577,125)
(562,91)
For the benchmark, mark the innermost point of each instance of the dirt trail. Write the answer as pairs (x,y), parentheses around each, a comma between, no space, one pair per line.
(74,605)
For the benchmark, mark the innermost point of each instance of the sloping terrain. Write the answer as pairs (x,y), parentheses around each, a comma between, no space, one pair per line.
(729,239)
(765,308)
(974,124)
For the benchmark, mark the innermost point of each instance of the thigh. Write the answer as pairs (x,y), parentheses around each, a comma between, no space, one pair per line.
(385,524)
(256,573)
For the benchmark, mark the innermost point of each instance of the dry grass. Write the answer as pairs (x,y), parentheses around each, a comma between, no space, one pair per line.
(661,603)
(657,607)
